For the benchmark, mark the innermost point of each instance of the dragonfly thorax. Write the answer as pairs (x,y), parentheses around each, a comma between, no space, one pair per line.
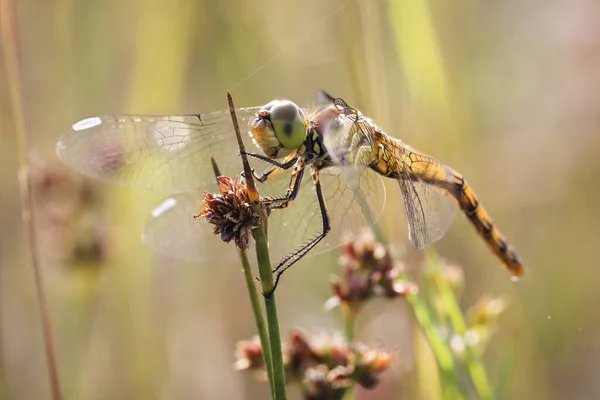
(279,128)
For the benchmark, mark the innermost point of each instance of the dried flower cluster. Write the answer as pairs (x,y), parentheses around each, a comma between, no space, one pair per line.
(324,364)
(229,211)
(368,271)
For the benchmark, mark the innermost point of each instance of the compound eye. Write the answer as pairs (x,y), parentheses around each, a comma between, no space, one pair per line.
(288,124)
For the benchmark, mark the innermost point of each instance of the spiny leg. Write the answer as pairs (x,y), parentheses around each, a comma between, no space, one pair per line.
(293,188)
(277,165)
(295,256)
(292,191)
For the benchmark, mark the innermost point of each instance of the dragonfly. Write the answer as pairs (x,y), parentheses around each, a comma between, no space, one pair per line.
(345,152)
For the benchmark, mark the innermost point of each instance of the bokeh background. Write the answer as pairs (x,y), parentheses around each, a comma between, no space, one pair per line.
(506,92)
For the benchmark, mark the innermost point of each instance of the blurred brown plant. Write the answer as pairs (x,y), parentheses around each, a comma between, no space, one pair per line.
(323,363)
(368,271)
(68,220)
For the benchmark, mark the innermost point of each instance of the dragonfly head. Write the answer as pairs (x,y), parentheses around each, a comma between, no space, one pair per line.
(279,128)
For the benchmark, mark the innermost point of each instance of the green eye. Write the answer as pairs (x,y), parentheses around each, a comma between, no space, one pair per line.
(288,124)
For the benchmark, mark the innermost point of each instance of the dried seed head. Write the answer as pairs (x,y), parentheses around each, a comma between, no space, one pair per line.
(324,363)
(248,354)
(329,348)
(299,353)
(229,211)
(375,360)
(368,271)
(317,385)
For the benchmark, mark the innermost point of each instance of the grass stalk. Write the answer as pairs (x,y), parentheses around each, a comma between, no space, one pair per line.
(258,317)
(264,270)
(424,316)
(11,50)
(266,278)
(349,332)
(254,301)
(472,363)
(440,350)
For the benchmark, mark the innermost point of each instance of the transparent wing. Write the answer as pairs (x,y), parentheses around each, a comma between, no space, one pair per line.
(429,211)
(353,204)
(171,231)
(166,153)
(355,199)
(350,140)
(423,179)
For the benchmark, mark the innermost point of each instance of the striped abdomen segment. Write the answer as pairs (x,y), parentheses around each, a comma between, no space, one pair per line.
(396,160)
(484,225)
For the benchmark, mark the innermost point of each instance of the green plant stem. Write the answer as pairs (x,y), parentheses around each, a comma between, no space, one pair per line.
(440,350)
(349,329)
(264,270)
(258,316)
(459,326)
(266,279)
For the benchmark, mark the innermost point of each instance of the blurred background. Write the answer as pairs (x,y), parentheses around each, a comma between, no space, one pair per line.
(508,93)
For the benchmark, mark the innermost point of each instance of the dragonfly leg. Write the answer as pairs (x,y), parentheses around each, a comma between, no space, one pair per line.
(294,257)
(277,165)
(292,191)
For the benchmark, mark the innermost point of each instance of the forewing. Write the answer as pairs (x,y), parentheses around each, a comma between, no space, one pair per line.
(166,153)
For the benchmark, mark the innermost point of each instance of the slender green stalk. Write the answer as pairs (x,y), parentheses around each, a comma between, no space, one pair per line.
(459,326)
(349,332)
(254,302)
(264,270)
(424,317)
(266,279)
(258,316)
(441,352)
(8,33)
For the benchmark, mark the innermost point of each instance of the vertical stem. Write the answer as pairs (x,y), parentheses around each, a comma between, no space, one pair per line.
(258,317)
(266,278)
(264,270)
(254,302)
(9,37)
(473,364)
(252,191)
(443,355)
(349,325)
